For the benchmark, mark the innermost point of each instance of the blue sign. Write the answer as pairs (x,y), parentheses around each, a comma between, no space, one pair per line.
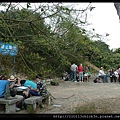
(1,43)
(13,52)
(7,46)
(5,52)
(8,49)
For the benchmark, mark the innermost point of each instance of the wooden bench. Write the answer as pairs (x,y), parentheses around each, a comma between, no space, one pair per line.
(35,101)
(9,105)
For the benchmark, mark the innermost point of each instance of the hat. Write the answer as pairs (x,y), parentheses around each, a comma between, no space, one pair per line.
(12,77)
(101,67)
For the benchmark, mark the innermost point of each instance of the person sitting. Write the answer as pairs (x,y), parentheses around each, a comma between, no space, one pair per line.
(28,83)
(14,81)
(101,75)
(5,90)
(88,74)
(13,85)
(85,77)
(3,84)
(65,76)
(41,89)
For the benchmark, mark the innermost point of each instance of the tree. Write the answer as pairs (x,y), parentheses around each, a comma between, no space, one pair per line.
(49,38)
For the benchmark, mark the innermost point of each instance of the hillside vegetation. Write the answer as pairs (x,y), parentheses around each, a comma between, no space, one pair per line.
(49,39)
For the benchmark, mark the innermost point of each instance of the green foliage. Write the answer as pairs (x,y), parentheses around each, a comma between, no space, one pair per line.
(50,48)
(30,109)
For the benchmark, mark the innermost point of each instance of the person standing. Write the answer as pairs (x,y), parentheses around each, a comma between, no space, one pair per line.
(80,70)
(73,69)
(106,76)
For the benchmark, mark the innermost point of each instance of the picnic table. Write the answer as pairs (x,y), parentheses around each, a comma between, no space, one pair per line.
(21,89)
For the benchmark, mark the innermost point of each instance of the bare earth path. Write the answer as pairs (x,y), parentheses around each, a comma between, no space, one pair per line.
(69,94)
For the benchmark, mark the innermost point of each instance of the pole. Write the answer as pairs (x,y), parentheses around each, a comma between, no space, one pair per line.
(14,65)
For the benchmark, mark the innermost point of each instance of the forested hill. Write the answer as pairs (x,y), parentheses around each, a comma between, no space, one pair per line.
(49,48)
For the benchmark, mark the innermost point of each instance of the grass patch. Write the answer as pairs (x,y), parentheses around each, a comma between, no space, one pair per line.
(97,107)
(30,109)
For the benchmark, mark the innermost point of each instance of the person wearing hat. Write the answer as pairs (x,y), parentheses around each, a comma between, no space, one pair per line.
(13,83)
(6,89)
(12,77)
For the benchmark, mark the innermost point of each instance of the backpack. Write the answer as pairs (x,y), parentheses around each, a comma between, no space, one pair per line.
(9,92)
(96,80)
(13,92)
(42,88)
(54,83)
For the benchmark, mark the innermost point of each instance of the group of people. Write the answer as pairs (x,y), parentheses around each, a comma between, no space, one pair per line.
(103,76)
(81,74)
(78,73)
(35,88)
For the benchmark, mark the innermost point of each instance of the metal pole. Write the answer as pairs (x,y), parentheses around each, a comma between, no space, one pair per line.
(14,65)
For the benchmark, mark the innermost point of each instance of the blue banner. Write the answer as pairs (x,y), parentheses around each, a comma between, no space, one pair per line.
(8,49)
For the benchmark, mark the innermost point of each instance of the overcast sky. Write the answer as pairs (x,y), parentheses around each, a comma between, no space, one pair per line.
(105,20)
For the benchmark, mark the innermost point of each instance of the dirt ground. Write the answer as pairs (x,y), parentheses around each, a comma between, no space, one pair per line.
(68,95)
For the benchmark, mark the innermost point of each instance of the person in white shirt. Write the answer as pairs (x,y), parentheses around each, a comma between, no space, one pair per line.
(73,69)
(101,74)
(116,76)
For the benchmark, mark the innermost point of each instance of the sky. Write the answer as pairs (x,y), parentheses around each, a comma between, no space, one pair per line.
(104,20)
